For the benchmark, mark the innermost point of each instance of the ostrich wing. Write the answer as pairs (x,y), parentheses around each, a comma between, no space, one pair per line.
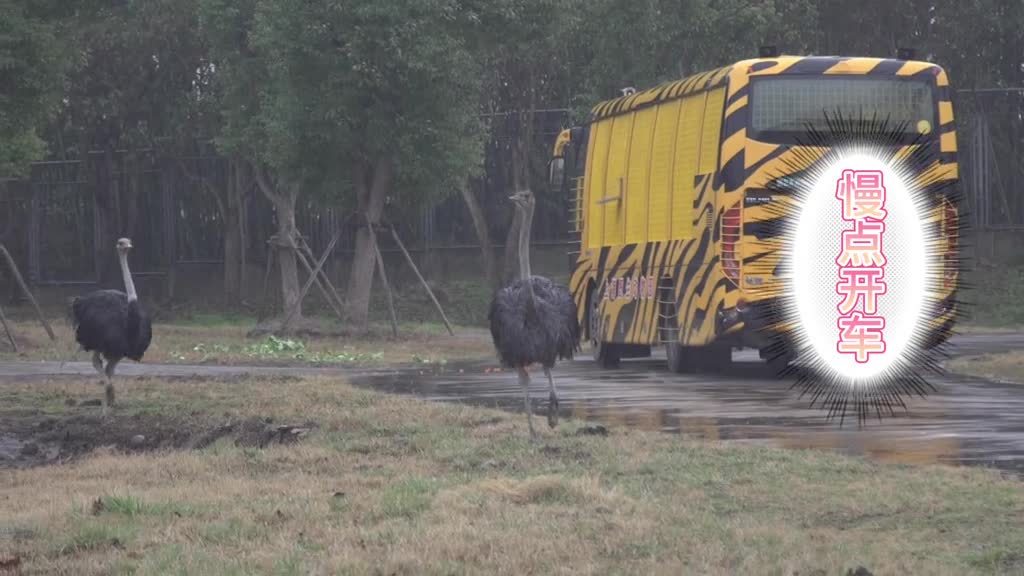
(100,320)
(559,305)
(523,334)
(139,331)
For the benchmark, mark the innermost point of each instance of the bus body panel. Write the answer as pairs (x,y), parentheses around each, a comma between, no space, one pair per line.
(671,216)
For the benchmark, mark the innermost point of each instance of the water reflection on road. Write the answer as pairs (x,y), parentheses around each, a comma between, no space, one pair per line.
(963,422)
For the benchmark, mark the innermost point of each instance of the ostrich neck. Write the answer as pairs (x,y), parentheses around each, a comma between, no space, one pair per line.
(524,242)
(129,286)
(524,253)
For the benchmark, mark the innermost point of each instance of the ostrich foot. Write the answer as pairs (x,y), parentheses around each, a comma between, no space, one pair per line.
(553,410)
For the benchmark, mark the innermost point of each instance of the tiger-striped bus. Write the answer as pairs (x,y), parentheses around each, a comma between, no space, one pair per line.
(675,190)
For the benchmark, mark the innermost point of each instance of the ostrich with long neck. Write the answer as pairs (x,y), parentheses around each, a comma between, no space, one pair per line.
(533,320)
(112,325)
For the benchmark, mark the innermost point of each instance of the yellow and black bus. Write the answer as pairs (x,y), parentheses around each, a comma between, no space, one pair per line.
(676,193)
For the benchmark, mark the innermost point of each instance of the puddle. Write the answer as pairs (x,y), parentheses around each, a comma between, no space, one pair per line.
(963,422)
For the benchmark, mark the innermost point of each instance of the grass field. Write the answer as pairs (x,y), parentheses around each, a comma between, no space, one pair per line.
(378,484)
(219,340)
(1004,366)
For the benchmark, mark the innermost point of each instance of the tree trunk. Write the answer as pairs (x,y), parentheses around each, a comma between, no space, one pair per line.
(520,167)
(107,222)
(233,267)
(284,212)
(483,236)
(371,185)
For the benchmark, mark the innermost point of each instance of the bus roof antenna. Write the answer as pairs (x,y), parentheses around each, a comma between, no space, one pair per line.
(768,52)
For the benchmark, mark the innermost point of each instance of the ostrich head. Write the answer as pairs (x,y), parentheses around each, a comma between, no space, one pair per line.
(523,199)
(124,245)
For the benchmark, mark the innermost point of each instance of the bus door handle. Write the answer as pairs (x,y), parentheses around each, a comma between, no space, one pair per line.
(604,201)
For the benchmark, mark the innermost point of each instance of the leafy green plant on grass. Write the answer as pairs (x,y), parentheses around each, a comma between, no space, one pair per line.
(287,348)
(428,360)
(342,357)
(274,346)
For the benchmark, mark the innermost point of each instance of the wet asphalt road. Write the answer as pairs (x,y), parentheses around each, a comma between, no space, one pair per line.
(964,421)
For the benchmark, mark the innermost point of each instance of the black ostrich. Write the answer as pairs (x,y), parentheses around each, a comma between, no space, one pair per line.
(533,320)
(111,323)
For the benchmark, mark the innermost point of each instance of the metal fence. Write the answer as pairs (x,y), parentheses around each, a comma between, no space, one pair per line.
(991,143)
(58,222)
(54,221)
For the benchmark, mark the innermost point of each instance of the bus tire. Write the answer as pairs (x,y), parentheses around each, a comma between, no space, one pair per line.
(606,354)
(714,357)
(680,358)
(679,361)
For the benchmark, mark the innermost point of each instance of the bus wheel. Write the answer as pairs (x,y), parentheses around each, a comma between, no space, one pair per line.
(715,356)
(680,359)
(606,354)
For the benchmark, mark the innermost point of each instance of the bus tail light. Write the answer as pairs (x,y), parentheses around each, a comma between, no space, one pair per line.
(732,229)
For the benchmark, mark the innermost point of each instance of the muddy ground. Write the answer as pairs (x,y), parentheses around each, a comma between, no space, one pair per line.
(34,438)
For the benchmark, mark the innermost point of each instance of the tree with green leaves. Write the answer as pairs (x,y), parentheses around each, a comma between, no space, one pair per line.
(133,70)
(30,79)
(358,102)
(248,126)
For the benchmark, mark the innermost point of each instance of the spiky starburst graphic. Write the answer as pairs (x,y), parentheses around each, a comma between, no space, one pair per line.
(930,252)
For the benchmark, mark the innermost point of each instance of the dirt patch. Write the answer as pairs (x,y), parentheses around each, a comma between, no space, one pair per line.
(34,440)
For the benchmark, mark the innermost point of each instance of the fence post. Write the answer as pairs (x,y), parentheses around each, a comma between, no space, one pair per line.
(170,236)
(34,275)
(97,163)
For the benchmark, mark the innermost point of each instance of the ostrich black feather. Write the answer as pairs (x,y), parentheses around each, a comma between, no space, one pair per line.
(524,334)
(106,321)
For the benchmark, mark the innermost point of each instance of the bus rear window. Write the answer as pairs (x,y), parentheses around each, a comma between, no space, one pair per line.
(782,108)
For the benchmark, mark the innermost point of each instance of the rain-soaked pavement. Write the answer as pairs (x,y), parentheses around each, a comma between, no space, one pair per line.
(963,421)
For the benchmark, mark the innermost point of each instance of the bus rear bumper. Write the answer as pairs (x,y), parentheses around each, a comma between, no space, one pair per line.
(761,324)
(756,325)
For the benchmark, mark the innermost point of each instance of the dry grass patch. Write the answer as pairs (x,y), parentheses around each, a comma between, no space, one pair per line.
(1004,366)
(386,484)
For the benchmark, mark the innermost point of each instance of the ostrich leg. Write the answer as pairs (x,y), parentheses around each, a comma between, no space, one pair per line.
(108,389)
(552,400)
(524,380)
(97,363)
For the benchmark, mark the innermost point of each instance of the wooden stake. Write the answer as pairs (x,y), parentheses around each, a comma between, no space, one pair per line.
(316,279)
(266,279)
(383,278)
(311,279)
(430,292)
(323,275)
(27,292)
(7,329)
